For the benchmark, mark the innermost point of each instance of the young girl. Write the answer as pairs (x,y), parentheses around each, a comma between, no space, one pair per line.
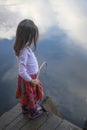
(29,88)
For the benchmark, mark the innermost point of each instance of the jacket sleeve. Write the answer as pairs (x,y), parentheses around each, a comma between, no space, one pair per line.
(22,60)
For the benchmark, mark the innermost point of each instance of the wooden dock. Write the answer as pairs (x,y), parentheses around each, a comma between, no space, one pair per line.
(50,120)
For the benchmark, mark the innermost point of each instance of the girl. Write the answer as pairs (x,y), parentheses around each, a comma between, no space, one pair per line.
(29,88)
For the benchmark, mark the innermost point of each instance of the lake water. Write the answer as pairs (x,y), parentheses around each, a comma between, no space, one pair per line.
(64,79)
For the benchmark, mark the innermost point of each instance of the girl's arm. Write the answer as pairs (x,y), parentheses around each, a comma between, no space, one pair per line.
(23,57)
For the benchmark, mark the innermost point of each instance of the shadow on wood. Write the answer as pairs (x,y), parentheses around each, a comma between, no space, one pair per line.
(49,106)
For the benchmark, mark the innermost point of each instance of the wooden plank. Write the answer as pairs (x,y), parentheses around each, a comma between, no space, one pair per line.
(51,123)
(18,123)
(15,122)
(65,125)
(36,123)
(9,116)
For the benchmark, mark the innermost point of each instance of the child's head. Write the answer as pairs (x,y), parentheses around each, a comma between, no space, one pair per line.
(27,32)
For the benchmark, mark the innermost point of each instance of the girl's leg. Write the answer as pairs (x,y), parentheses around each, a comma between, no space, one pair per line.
(33,103)
(24,105)
(32,98)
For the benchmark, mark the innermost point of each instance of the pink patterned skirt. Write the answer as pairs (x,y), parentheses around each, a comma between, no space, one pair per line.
(28,94)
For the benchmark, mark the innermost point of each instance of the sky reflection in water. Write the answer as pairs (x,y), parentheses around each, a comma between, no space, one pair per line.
(62,43)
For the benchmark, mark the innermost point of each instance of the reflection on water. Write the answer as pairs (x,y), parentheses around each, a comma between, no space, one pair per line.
(7,78)
(64,79)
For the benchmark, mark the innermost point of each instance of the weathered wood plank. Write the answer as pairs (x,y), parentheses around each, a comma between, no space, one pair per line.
(51,123)
(36,123)
(18,123)
(65,125)
(9,116)
(15,122)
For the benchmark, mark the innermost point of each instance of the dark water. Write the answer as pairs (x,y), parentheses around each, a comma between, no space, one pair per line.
(64,79)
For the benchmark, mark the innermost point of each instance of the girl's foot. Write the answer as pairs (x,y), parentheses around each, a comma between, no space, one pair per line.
(39,108)
(34,113)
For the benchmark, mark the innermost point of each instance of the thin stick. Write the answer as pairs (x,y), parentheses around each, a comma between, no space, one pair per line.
(40,68)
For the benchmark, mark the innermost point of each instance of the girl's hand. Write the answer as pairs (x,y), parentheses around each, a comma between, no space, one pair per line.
(35,82)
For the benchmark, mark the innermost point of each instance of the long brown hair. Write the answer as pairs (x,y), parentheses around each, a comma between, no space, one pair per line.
(27,31)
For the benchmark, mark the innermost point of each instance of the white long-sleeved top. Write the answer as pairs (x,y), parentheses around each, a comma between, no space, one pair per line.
(27,64)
